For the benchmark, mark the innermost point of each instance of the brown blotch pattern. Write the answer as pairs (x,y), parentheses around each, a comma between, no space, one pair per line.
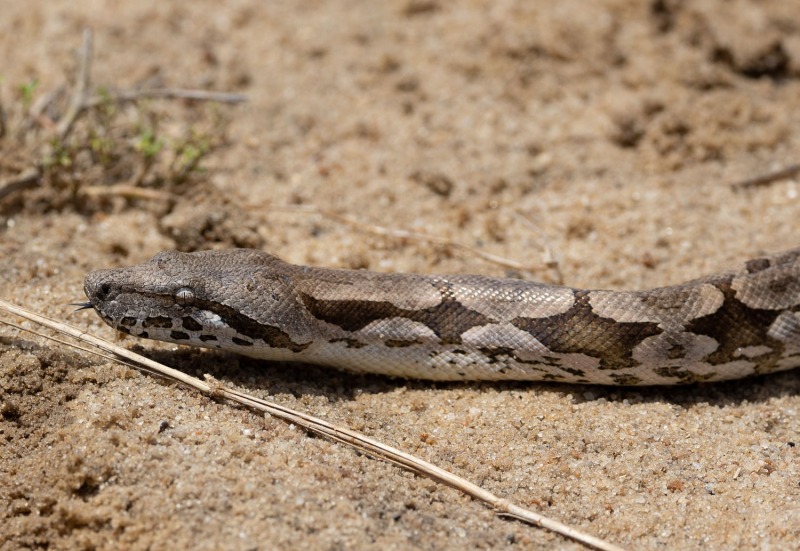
(191,324)
(448,320)
(581,331)
(350,343)
(158,321)
(749,325)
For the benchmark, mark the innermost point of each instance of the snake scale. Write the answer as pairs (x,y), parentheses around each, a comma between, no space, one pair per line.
(462,327)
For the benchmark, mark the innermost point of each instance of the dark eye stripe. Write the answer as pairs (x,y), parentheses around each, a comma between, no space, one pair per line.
(191,324)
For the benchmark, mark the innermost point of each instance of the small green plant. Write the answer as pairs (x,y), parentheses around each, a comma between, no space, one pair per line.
(149,144)
(102,147)
(59,156)
(97,137)
(189,153)
(27,92)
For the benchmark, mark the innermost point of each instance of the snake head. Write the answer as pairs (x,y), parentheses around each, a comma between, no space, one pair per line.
(214,299)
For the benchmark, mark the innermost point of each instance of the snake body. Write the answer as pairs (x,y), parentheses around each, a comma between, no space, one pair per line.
(462,327)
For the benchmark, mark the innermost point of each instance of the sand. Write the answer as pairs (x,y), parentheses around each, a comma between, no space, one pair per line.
(605,135)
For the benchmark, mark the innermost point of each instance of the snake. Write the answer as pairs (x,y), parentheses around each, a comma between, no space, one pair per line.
(729,325)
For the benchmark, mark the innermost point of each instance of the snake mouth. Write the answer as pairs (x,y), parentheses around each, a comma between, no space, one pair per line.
(99,288)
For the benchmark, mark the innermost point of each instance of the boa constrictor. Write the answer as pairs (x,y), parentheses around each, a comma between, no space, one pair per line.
(462,327)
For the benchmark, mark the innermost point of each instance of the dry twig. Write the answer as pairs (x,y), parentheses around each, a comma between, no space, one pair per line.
(404,234)
(165,93)
(26,180)
(548,256)
(321,427)
(77,102)
(769,178)
(128,192)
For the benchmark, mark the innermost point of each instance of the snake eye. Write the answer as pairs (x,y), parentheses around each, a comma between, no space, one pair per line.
(184,296)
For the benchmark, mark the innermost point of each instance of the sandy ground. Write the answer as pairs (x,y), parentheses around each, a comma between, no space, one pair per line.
(608,131)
